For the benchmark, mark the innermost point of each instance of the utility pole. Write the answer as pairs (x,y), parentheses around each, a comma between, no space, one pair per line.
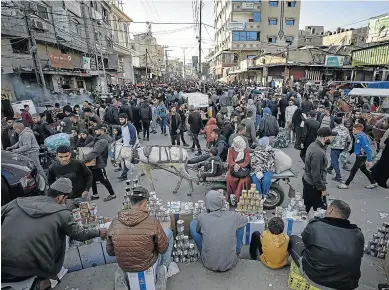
(286,63)
(146,66)
(34,54)
(184,73)
(201,24)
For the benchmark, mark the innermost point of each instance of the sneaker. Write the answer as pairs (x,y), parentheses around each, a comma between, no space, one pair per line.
(117,169)
(192,149)
(186,145)
(232,199)
(110,197)
(94,197)
(338,179)
(122,178)
(198,154)
(343,186)
(371,186)
(165,134)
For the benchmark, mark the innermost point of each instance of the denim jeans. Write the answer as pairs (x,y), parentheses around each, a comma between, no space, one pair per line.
(263,185)
(167,257)
(199,239)
(163,125)
(257,120)
(335,153)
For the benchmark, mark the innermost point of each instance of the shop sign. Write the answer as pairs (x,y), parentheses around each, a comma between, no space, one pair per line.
(58,60)
(86,62)
(334,61)
(247,6)
(236,26)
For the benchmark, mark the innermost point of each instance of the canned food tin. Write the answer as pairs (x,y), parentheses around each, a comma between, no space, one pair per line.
(176,259)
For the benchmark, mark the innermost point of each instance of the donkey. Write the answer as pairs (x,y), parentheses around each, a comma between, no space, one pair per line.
(173,159)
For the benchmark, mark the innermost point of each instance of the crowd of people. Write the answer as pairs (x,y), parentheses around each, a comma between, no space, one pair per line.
(238,122)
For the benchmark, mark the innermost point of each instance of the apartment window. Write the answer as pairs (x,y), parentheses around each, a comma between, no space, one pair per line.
(105,14)
(42,12)
(273,3)
(291,3)
(20,45)
(257,16)
(245,36)
(272,39)
(289,38)
(289,21)
(272,21)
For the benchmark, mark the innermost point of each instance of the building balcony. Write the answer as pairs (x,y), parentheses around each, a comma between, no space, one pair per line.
(246,45)
(245,6)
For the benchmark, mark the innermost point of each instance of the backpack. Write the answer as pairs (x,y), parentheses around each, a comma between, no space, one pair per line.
(112,115)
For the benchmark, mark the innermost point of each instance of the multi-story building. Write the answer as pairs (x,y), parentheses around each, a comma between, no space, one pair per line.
(311,35)
(74,45)
(120,23)
(150,54)
(349,36)
(247,28)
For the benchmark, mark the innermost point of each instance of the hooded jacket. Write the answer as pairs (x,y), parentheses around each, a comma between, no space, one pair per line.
(146,112)
(275,250)
(218,229)
(342,140)
(99,152)
(362,146)
(27,119)
(27,143)
(37,247)
(136,239)
(211,124)
(42,131)
(268,126)
(333,253)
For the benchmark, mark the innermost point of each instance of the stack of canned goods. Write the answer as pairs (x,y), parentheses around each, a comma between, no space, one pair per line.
(378,245)
(296,207)
(199,207)
(174,206)
(156,208)
(131,184)
(250,202)
(184,251)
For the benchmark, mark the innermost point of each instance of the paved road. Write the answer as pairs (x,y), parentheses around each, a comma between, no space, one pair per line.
(366,207)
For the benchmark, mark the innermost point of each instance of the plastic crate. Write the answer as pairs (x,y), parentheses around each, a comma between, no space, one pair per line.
(296,281)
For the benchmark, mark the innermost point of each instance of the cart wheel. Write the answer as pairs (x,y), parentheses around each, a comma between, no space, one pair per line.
(275,197)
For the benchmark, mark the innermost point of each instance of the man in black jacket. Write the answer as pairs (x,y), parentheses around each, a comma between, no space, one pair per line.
(330,251)
(220,143)
(282,104)
(314,178)
(195,126)
(309,133)
(146,115)
(126,109)
(306,105)
(33,235)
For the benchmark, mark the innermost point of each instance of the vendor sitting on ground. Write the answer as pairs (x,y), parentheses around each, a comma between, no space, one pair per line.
(33,238)
(137,239)
(218,233)
(212,166)
(238,174)
(263,165)
(330,251)
(272,245)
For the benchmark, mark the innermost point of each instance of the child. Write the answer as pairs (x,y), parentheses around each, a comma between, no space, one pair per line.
(117,134)
(272,245)
(212,166)
(208,131)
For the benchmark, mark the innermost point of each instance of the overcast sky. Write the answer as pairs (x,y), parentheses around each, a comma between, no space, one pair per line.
(331,14)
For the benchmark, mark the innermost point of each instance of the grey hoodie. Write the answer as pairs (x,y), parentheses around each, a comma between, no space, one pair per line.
(218,228)
(33,236)
(27,143)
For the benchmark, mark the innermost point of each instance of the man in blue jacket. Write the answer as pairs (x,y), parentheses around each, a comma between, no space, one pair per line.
(130,138)
(363,160)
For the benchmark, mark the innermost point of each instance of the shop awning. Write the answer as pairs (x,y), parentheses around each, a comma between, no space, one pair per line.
(369,92)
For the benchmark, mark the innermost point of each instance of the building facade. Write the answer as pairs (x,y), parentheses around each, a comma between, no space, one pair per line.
(311,35)
(356,37)
(245,29)
(378,29)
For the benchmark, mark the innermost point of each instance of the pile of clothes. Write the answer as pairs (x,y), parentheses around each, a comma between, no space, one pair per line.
(281,140)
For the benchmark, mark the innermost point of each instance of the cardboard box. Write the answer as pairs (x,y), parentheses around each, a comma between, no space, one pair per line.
(91,255)
(186,217)
(294,226)
(250,228)
(72,260)
(108,259)
(145,280)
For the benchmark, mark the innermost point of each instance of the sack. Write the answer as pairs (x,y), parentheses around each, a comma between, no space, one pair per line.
(82,151)
(281,140)
(241,173)
(282,161)
(54,141)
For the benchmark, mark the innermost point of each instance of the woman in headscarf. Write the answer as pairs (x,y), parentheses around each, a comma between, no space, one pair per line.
(238,174)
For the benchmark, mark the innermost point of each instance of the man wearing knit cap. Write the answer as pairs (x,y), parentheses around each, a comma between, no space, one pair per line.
(34,231)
